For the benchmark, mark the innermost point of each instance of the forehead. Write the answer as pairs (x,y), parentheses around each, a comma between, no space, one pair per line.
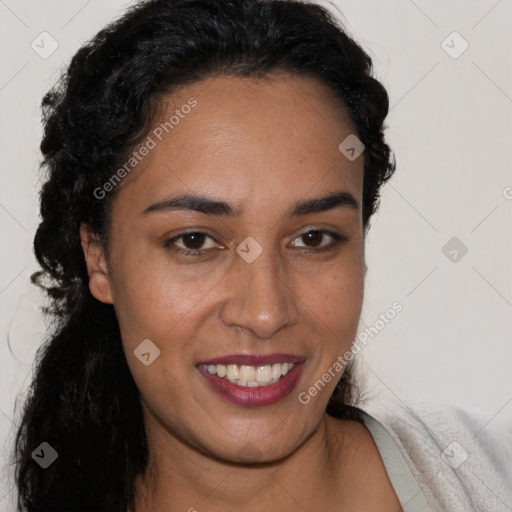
(242,138)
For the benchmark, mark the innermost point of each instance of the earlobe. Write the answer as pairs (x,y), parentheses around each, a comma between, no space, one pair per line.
(99,281)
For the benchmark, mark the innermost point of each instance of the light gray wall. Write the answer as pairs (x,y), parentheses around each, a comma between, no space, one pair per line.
(450,128)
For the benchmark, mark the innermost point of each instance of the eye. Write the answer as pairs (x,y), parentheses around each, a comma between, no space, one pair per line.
(193,242)
(315,238)
(195,239)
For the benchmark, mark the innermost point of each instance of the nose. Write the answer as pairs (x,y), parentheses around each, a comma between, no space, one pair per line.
(261,300)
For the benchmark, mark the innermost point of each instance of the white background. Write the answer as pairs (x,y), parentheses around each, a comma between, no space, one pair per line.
(450,128)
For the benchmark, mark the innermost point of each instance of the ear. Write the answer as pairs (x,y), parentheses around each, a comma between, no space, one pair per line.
(99,281)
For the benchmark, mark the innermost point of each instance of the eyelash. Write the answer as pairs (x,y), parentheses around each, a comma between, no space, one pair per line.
(337,240)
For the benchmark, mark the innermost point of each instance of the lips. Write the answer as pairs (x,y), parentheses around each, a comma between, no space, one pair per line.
(259,395)
(253,393)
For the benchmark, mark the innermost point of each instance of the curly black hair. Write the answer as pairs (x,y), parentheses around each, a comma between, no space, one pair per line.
(83,400)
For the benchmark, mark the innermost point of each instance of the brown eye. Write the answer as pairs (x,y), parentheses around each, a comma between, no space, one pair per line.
(193,240)
(314,238)
(192,243)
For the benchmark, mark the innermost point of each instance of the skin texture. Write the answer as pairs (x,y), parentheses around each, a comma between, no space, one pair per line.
(261,144)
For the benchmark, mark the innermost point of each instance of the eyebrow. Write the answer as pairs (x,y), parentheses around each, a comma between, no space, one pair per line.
(210,206)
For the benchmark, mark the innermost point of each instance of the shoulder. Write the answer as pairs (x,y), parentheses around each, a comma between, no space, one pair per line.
(456,455)
(362,477)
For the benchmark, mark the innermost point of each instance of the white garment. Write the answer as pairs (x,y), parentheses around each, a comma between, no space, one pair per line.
(406,487)
(459,460)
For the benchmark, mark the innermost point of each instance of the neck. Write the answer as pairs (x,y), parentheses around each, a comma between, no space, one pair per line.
(179,477)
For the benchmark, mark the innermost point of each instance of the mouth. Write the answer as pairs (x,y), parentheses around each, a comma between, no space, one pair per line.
(253,380)
(250,376)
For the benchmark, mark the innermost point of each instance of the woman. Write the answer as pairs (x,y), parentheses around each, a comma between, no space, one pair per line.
(213,169)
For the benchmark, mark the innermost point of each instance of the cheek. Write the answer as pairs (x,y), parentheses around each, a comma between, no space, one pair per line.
(166,304)
(333,307)
(335,290)
(339,309)
(151,295)
(333,303)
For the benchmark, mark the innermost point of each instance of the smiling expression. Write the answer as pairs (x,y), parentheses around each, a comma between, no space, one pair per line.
(253,171)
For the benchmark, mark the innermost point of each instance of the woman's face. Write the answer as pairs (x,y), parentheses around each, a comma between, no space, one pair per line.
(260,148)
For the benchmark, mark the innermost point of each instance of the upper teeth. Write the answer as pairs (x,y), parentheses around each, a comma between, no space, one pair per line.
(244,375)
